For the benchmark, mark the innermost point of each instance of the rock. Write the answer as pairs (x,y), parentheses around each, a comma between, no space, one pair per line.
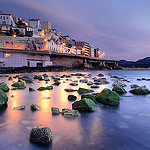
(97,83)
(35,107)
(41,134)
(31,89)
(142,90)
(94,86)
(134,86)
(3,98)
(4,87)
(12,96)
(45,88)
(55,111)
(89,83)
(70,90)
(72,97)
(28,80)
(84,104)
(68,113)
(119,90)
(84,80)
(18,84)
(100,81)
(83,90)
(89,96)
(139,79)
(19,107)
(56,82)
(46,79)
(100,75)
(45,75)
(73,84)
(19,88)
(118,83)
(108,97)
(75,81)
(56,79)
(79,74)
(10,78)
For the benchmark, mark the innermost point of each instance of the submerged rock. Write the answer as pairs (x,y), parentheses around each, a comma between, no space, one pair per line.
(119,90)
(118,83)
(4,87)
(19,88)
(45,75)
(45,88)
(18,84)
(35,107)
(142,90)
(56,82)
(73,84)
(10,78)
(41,134)
(70,90)
(84,104)
(100,75)
(90,83)
(68,113)
(55,111)
(19,107)
(31,89)
(108,97)
(84,80)
(134,86)
(3,98)
(72,97)
(94,86)
(84,90)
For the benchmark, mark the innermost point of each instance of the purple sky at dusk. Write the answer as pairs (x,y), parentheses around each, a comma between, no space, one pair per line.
(120,28)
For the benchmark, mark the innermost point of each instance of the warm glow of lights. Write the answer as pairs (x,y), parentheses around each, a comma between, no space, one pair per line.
(74,47)
(64,44)
(14,35)
(45,40)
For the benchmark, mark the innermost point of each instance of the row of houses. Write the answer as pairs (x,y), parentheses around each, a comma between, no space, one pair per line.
(51,41)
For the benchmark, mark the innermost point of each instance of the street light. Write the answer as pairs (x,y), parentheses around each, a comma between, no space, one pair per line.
(14,36)
(83,50)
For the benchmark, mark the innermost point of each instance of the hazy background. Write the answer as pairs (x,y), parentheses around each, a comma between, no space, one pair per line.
(120,27)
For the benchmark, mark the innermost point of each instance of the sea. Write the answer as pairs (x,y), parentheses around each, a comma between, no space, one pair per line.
(123,127)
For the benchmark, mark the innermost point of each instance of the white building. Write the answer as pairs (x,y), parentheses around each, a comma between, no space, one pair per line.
(7,19)
(52,46)
(17,58)
(4,27)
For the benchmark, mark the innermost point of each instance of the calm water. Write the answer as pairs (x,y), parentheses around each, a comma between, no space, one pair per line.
(126,127)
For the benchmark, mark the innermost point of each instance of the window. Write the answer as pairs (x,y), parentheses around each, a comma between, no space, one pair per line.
(3,22)
(54,48)
(7,17)
(1,17)
(4,18)
(52,43)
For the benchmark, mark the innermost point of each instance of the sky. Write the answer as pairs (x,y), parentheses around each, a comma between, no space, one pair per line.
(121,28)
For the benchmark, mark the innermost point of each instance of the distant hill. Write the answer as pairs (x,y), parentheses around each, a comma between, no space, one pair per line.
(141,63)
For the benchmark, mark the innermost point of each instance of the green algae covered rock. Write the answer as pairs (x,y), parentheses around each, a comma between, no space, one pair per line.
(68,113)
(35,107)
(108,97)
(3,98)
(83,90)
(94,86)
(72,97)
(20,107)
(142,90)
(89,96)
(4,87)
(70,90)
(119,90)
(31,89)
(84,104)
(18,84)
(45,88)
(55,111)
(41,134)
(19,88)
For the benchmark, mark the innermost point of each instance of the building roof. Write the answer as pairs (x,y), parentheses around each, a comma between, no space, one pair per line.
(4,25)
(34,19)
(6,14)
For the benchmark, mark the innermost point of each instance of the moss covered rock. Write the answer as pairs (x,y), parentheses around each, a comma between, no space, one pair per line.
(3,98)
(45,88)
(31,89)
(119,89)
(84,104)
(18,84)
(35,107)
(142,90)
(72,97)
(19,88)
(68,113)
(89,96)
(4,87)
(70,90)
(20,107)
(55,111)
(84,90)
(108,97)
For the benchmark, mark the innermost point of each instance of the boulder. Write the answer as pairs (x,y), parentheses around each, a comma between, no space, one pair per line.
(73,84)
(4,87)
(108,97)
(119,90)
(45,75)
(45,88)
(68,113)
(3,98)
(70,90)
(46,79)
(100,75)
(84,104)
(10,78)
(56,82)
(142,90)
(20,107)
(139,79)
(18,84)
(118,83)
(55,111)
(94,86)
(83,90)
(134,86)
(41,134)
(89,83)
(35,107)
(84,80)
(89,96)
(19,88)
(31,89)
(72,97)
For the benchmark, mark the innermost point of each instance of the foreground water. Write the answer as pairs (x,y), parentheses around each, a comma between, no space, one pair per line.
(125,127)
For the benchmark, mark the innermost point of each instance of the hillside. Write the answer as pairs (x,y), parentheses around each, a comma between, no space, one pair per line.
(141,63)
